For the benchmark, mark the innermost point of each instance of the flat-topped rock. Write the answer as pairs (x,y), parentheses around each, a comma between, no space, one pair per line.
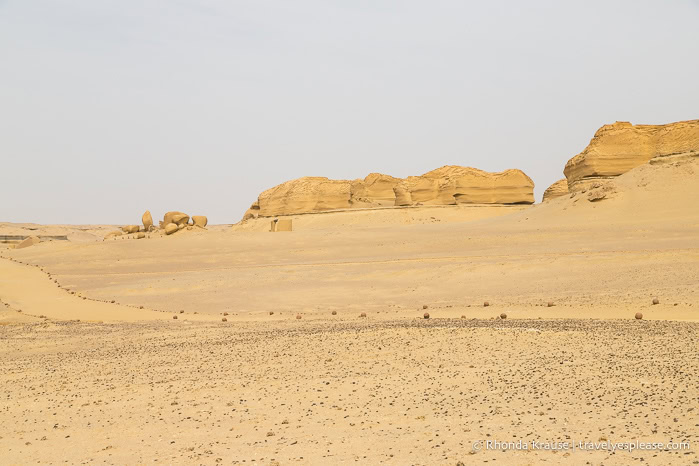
(448,185)
(619,147)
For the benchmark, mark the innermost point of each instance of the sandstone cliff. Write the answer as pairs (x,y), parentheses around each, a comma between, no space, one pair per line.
(557,189)
(448,185)
(617,148)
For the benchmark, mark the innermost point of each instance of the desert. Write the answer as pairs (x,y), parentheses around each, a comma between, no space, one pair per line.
(398,334)
(319,233)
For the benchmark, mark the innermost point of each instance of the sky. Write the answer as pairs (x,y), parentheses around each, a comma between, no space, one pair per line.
(112,107)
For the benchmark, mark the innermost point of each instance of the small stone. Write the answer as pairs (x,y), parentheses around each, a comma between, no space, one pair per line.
(363,314)
(181,311)
(486,304)
(224,319)
(298,316)
(271,313)
(503,316)
(424,306)
(550,304)
(426,315)
(656,301)
(639,316)
(174,317)
(334,313)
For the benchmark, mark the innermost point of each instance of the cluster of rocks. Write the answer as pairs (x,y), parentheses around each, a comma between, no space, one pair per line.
(448,185)
(617,148)
(172,222)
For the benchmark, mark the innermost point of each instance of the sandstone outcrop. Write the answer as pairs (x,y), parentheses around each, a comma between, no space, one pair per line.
(147,220)
(130,229)
(449,185)
(170,228)
(25,243)
(200,220)
(557,189)
(112,234)
(619,147)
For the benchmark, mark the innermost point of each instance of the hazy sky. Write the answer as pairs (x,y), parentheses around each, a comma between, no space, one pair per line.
(112,107)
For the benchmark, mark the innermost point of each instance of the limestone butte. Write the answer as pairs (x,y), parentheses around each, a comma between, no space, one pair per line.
(557,189)
(619,147)
(448,185)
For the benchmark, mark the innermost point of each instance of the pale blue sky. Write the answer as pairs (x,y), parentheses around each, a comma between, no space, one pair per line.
(111,107)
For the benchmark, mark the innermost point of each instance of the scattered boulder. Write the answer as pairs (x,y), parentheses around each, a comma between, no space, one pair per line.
(656,301)
(223,319)
(638,316)
(503,316)
(200,220)
(25,243)
(113,234)
(174,317)
(426,315)
(140,235)
(130,229)
(170,228)
(147,220)
(486,304)
(175,217)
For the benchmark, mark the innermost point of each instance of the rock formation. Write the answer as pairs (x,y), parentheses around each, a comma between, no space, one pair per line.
(449,185)
(170,228)
(200,220)
(557,189)
(31,241)
(130,229)
(617,148)
(147,220)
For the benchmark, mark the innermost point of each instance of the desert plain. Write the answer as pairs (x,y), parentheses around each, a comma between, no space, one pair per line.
(406,335)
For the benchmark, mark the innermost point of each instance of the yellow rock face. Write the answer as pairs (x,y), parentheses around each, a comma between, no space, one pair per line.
(557,189)
(448,185)
(200,220)
(170,228)
(617,148)
(147,220)
(175,217)
(130,229)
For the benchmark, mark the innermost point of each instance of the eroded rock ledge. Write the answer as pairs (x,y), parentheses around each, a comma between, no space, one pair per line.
(619,147)
(448,185)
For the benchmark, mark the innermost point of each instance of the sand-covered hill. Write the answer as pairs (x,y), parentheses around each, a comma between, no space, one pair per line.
(448,185)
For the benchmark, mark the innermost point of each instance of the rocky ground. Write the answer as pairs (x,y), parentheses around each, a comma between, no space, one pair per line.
(346,390)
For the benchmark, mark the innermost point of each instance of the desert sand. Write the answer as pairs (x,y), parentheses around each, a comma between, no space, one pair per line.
(394,335)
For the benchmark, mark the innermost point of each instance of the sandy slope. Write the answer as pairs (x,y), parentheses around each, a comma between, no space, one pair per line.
(390,387)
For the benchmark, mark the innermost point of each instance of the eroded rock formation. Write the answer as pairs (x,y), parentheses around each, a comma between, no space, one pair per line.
(557,189)
(448,185)
(619,147)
